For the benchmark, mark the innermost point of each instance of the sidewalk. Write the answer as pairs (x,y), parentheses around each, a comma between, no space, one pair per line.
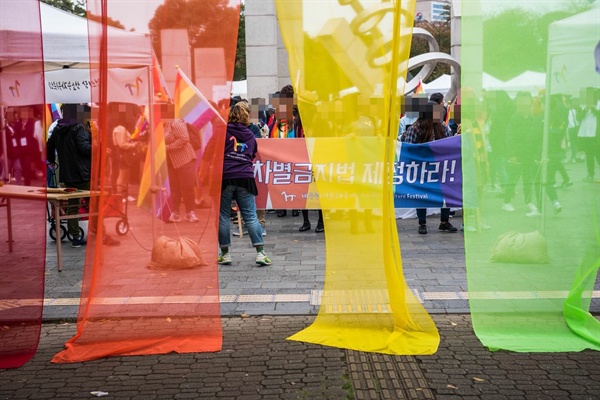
(256,362)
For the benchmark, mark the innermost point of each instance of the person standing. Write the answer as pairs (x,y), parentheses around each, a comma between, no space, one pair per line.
(28,147)
(525,133)
(13,151)
(181,164)
(71,140)
(123,118)
(588,134)
(238,184)
(427,128)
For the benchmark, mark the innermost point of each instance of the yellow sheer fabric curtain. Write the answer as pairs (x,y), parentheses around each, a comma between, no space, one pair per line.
(347,64)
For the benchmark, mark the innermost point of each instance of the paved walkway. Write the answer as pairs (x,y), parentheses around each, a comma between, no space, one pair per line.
(256,361)
(434,267)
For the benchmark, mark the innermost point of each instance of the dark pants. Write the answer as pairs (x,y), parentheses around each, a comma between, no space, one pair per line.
(591,147)
(182,181)
(306,220)
(422,215)
(73,208)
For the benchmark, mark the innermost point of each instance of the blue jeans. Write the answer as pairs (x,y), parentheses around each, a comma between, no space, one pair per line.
(247,207)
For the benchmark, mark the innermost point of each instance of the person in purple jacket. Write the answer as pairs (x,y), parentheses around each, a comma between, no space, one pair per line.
(238,184)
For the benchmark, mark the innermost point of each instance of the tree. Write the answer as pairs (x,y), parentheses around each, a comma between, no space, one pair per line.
(440,30)
(202,19)
(239,73)
(77,7)
(515,41)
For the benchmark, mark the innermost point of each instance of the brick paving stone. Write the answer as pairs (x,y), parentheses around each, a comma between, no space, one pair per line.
(256,361)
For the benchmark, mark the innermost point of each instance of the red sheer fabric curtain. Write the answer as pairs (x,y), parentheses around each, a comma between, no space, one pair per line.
(23,171)
(157,291)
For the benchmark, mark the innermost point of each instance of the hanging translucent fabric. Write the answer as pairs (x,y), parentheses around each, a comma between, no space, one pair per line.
(157,291)
(531,220)
(347,63)
(23,182)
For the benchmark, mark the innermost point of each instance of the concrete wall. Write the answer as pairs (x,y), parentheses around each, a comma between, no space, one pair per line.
(266,57)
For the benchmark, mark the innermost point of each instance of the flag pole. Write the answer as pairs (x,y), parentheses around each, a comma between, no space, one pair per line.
(152,150)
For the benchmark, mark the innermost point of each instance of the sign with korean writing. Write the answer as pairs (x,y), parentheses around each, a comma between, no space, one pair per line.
(428,174)
(77,85)
(425,175)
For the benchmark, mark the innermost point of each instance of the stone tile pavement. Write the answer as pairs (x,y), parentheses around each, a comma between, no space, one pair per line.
(256,362)
(261,307)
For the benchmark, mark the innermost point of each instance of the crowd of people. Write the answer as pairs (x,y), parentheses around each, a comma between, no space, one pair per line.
(514,138)
(506,139)
(508,143)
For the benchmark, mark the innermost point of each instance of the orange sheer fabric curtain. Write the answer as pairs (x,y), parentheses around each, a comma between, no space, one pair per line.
(157,291)
(23,172)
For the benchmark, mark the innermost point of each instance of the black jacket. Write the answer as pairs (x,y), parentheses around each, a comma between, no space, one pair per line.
(73,143)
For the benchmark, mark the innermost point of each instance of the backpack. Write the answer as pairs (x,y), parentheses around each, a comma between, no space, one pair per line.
(194,134)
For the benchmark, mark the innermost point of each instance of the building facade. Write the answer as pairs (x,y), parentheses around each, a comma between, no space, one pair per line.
(266,56)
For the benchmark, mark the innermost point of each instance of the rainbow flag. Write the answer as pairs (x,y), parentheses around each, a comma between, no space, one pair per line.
(55,111)
(448,110)
(419,89)
(160,183)
(191,105)
(140,126)
(161,90)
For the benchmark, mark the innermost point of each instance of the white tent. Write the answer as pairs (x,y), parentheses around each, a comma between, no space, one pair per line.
(239,88)
(571,44)
(65,40)
(491,83)
(528,81)
(439,85)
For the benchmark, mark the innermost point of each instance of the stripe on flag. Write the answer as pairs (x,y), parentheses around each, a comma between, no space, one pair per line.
(190,104)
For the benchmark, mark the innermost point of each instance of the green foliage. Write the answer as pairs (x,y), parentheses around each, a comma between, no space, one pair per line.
(202,19)
(516,40)
(441,32)
(347,386)
(239,72)
(77,7)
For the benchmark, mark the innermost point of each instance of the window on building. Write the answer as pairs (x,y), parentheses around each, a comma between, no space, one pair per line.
(439,11)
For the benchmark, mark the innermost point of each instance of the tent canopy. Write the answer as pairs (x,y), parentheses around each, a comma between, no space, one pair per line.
(491,83)
(441,84)
(571,44)
(528,81)
(65,40)
(65,43)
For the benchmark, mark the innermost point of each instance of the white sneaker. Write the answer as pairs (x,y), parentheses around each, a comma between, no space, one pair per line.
(262,259)
(131,198)
(533,211)
(224,259)
(191,217)
(236,231)
(174,217)
(263,230)
(508,207)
